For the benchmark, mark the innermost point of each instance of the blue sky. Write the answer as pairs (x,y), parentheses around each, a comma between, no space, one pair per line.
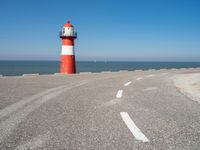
(128,30)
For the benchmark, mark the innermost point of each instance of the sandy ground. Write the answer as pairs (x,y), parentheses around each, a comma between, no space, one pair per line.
(189,84)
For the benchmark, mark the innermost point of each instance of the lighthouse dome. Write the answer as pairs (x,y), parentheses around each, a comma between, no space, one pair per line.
(68,24)
(68,31)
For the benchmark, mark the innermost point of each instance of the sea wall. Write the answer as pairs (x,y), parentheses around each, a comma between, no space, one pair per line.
(120,71)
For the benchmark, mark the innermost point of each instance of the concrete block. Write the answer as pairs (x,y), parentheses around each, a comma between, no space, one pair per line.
(151,70)
(85,72)
(30,75)
(106,72)
(123,71)
(139,70)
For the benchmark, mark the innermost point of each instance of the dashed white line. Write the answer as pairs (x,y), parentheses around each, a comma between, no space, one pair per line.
(119,94)
(139,78)
(133,128)
(126,84)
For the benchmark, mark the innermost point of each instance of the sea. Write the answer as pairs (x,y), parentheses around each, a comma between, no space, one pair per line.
(16,68)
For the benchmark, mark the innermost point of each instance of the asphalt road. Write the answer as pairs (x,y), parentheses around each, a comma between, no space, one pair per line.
(116,110)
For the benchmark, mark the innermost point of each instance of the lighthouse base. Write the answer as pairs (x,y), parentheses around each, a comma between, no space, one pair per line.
(68,64)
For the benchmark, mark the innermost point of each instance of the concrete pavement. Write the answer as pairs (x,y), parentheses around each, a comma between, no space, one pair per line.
(189,84)
(111,110)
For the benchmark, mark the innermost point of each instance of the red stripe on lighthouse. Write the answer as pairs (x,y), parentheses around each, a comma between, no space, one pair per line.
(68,64)
(68,41)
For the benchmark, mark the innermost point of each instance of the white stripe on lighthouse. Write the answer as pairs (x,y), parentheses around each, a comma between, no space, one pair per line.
(67,50)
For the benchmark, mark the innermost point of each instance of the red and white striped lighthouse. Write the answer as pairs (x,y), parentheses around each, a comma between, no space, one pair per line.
(68,63)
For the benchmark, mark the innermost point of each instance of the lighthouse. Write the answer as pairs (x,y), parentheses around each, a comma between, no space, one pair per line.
(68,63)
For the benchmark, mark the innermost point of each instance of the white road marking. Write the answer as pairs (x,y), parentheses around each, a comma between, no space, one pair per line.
(126,84)
(133,128)
(119,94)
(139,78)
